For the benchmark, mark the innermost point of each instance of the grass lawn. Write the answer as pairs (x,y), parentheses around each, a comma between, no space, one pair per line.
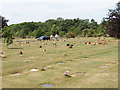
(98,65)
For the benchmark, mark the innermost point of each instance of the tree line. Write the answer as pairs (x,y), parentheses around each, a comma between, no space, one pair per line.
(60,26)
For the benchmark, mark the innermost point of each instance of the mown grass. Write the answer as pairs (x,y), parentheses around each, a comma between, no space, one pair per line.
(80,58)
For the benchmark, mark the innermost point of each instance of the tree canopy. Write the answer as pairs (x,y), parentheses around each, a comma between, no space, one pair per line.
(7,34)
(80,27)
(113,24)
(3,22)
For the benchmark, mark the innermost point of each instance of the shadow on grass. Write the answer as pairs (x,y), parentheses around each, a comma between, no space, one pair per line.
(15,48)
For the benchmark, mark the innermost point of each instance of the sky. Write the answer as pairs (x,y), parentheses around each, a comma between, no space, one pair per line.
(18,11)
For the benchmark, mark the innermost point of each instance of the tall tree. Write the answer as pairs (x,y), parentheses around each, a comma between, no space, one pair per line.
(3,22)
(7,35)
(6,32)
(93,24)
(113,25)
(102,30)
(54,29)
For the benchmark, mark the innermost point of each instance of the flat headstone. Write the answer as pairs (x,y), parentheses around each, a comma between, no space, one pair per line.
(16,74)
(79,73)
(34,70)
(47,85)
(103,66)
(61,63)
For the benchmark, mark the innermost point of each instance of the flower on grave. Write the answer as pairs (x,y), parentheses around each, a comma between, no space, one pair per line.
(67,73)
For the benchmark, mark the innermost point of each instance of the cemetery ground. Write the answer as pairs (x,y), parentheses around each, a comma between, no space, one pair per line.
(90,66)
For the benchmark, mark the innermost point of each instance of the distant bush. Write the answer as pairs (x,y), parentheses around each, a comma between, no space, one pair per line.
(70,35)
(62,33)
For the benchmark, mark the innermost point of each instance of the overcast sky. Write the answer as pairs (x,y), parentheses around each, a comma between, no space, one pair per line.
(18,11)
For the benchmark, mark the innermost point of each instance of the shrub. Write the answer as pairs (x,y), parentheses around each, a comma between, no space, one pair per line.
(70,35)
(62,33)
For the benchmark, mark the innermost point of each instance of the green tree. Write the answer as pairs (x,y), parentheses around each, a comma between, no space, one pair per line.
(113,25)
(3,22)
(60,19)
(93,24)
(59,26)
(70,35)
(84,32)
(47,33)
(54,29)
(62,33)
(39,32)
(7,35)
(101,30)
